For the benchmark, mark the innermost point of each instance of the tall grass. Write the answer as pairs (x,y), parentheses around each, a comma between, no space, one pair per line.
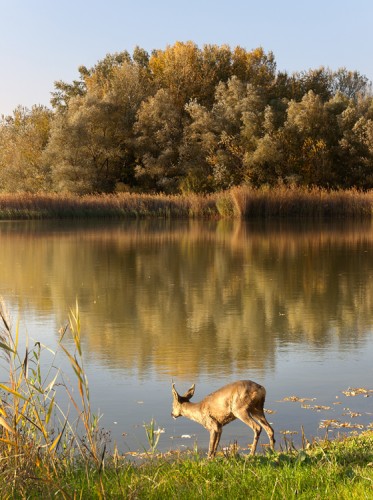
(297,202)
(30,206)
(37,437)
(244,202)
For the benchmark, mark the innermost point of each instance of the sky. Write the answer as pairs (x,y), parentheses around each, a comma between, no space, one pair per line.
(43,41)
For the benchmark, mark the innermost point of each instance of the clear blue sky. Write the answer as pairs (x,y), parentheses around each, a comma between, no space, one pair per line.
(46,40)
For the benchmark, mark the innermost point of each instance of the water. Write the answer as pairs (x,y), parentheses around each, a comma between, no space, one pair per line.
(287,305)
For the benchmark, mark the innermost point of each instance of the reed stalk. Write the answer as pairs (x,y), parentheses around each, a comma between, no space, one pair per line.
(242,201)
(37,437)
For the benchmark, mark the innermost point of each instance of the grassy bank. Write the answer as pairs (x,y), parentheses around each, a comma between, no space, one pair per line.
(327,470)
(243,202)
(50,452)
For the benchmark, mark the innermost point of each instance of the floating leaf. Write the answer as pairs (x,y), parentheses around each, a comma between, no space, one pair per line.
(339,425)
(356,391)
(316,407)
(296,399)
(270,412)
(349,425)
(352,414)
(328,423)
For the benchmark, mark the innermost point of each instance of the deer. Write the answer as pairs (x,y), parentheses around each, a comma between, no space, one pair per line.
(243,400)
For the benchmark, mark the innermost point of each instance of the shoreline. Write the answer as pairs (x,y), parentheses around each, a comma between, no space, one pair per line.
(325,469)
(45,454)
(239,202)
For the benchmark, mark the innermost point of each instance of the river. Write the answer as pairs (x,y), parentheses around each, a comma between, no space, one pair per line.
(286,304)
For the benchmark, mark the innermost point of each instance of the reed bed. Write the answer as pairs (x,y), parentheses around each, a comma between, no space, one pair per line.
(40,441)
(239,202)
(43,206)
(296,202)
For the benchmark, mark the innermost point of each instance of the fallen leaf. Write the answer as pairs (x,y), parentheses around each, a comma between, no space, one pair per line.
(327,423)
(339,425)
(316,407)
(356,391)
(352,414)
(296,399)
(269,411)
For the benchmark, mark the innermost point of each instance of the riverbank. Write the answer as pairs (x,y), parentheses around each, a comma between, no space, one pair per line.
(239,202)
(325,470)
(50,452)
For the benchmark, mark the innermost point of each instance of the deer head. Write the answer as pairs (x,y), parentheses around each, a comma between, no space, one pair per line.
(178,400)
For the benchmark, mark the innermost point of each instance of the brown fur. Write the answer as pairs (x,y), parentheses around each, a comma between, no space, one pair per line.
(243,400)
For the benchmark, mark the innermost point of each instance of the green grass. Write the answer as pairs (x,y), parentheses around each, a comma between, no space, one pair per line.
(242,202)
(327,470)
(48,452)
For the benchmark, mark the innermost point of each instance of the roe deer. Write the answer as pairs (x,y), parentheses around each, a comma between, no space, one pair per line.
(243,400)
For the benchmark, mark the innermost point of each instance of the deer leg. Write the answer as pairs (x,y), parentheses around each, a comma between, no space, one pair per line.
(245,417)
(215,434)
(259,415)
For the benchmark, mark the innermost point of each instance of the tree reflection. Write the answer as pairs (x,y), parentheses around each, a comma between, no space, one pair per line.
(188,297)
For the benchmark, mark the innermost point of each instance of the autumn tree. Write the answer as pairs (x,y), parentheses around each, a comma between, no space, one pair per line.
(255,67)
(23,137)
(192,119)
(100,73)
(91,148)
(320,144)
(356,143)
(158,129)
(217,140)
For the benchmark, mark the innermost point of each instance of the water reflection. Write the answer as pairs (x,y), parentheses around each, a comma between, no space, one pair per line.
(186,298)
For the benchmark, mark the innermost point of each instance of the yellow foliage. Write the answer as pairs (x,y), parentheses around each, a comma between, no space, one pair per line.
(313,147)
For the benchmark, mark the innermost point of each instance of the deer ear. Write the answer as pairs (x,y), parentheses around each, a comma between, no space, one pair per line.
(189,394)
(174,392)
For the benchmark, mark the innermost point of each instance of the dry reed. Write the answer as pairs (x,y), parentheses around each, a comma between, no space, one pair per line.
(38,438)
(300,202)
(243,202)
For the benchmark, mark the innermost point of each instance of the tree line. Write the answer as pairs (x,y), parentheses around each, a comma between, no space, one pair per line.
(190,119)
